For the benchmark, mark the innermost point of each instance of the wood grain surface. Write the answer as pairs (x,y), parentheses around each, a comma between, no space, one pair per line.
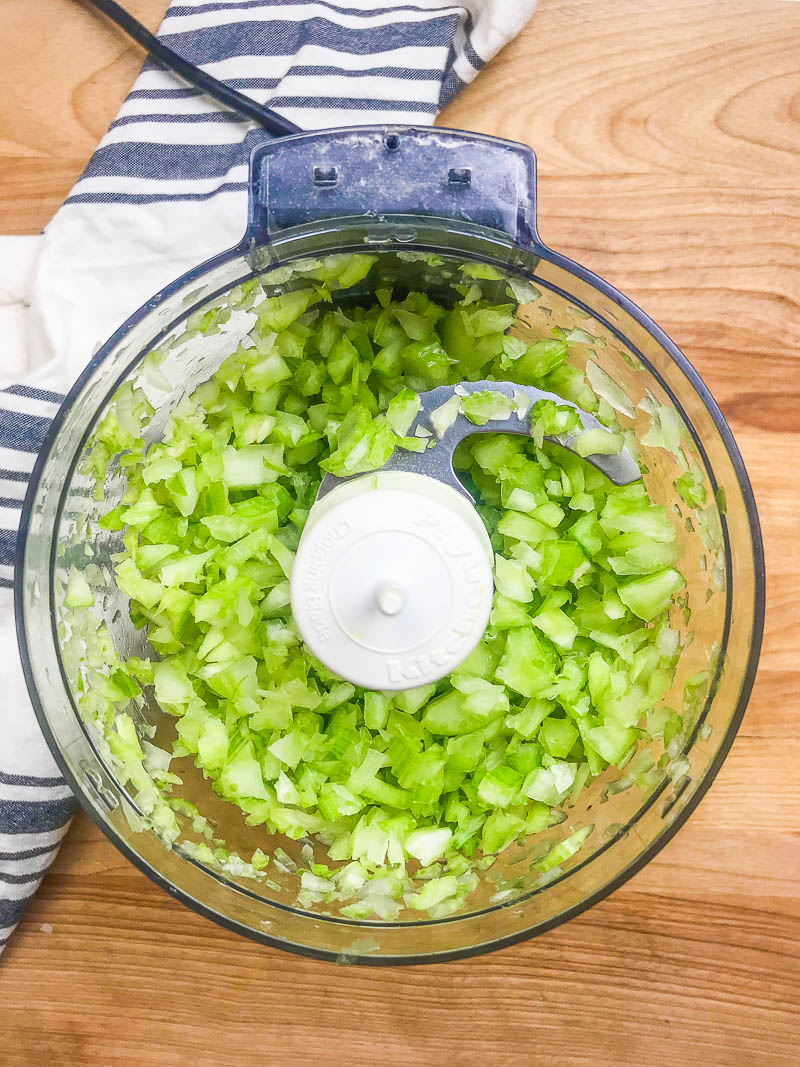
(667,138)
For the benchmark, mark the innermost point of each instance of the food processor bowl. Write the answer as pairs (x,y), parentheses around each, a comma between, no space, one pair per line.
(423,202)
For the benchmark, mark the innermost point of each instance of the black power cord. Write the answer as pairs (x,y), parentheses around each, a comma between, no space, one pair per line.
(165,57)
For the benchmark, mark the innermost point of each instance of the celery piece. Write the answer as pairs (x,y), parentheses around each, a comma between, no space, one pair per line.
(483,406)
(558,736)
(648,597)
(524,667)
(402,410)
(599,442)
(540,358)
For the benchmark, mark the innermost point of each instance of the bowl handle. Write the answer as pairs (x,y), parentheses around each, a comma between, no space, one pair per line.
(389,171)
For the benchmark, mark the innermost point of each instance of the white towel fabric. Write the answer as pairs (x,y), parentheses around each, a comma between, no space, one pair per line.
(165,190)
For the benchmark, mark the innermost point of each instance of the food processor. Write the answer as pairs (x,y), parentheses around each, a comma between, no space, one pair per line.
(423,203)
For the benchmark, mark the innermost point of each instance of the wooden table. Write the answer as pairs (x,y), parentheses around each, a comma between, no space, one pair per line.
(667,136)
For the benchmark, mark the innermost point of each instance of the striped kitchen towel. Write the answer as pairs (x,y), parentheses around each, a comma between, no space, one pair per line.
(165,190)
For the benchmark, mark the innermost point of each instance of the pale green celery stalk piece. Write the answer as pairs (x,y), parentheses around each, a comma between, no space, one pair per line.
(403,409)
(523,291)
(79,594)
(605,387)
(443,417)
(483,406)
(599,442)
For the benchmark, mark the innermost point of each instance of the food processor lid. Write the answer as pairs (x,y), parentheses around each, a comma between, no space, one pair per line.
(392,584)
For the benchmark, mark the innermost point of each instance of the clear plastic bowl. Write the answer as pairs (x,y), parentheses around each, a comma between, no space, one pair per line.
(723,563)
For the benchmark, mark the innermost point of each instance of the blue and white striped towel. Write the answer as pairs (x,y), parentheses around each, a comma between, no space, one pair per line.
(165,190)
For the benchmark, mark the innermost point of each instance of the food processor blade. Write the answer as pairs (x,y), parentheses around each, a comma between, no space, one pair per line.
(436,461)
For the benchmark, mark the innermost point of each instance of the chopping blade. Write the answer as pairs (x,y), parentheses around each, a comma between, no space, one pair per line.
(437,461)
(392,584)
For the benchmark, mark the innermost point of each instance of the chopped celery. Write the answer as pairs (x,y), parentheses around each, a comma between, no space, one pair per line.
(558,626)
(540,358)
(599,442)
(648,597)
(605,387)
(429,844)
(481,407)
(79,593)
(445,415)
(577,656)
(403,409)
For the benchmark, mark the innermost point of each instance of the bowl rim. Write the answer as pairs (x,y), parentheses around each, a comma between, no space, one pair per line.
(539,251)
